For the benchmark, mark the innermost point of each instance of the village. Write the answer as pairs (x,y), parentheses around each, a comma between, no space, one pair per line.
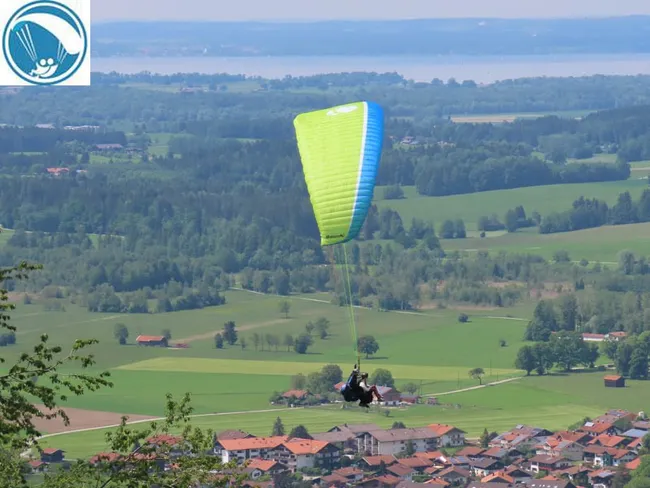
(368,456)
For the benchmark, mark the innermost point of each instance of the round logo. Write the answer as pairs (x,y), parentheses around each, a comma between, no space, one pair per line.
(44,42)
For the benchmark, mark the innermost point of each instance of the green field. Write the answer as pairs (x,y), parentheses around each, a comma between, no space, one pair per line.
(432,349)
(470,207)
(601,244)
(510,117)
(553,402)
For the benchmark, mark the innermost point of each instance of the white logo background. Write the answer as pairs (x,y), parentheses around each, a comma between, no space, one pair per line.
(36,62)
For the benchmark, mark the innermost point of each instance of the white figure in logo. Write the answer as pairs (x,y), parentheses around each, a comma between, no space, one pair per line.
(44,68)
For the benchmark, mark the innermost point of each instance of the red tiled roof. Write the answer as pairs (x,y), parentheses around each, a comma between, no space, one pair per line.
(417,461)
(429,454)
(633,464)
(607,440)
(253,443)
(108,457)
(377,460)
(262,464)
(442,429)
(612,377)
(51,450)
(148,338)
(295,394)
(597,428)
(436,481)
(498,475)
(305,446)
(470,451)
(164,439)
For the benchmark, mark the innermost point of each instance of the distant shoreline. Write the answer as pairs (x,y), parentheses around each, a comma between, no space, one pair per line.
(482,69)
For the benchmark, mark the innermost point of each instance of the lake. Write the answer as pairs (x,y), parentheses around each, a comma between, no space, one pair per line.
(482,69)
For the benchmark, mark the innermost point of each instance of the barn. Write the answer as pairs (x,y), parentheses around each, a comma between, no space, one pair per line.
(145,340)
(614,381)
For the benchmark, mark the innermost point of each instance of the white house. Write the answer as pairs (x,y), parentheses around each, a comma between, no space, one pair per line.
(448,435)
(250,448)
(395,441)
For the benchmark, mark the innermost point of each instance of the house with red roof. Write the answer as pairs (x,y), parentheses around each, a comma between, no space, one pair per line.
(448,435)
(261,467)
(394,441)
(52,455)
(149,340)
(306,453)
(249,448)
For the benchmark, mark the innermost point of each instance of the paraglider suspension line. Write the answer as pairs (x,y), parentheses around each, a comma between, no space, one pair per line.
(353,326)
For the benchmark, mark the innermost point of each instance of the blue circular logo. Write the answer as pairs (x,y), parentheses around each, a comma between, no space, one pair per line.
(44,42)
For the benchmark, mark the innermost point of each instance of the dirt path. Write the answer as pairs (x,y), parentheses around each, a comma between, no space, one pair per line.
(210,335)
(83,419)
(500,382)
(142,419)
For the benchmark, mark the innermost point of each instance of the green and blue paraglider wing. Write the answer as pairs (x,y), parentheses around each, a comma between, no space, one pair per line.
(340,149)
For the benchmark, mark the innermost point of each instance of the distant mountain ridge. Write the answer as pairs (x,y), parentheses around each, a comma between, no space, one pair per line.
(425,37)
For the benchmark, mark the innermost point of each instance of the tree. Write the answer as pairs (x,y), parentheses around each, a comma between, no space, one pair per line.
(484,440)
(544,357)
(322,327)
(410,388)
(382,377)
(302,343)
(278,427)
(256,340)
(332,375)
(218,341)
(300,432)
(121,333)
(289,341)
(367,345)
(398,425)
(568,348)
(242,343)
(568,312)
(525,359)
(18,432)
(477,374)
(285,307)
(298,382)
(463,318)
(409,448)
(167,334)
(17,429)
(309,327)
(639,362)
(229,332)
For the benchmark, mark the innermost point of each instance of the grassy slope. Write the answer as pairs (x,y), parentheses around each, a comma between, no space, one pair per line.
(469,207)
(601,244)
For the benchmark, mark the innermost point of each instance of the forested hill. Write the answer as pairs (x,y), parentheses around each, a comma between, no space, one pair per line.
(425,37)
(177,195)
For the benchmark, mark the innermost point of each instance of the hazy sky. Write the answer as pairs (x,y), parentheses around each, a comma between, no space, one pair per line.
(345,9)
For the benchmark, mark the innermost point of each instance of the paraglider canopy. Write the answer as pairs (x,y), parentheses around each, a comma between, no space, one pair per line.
(340,149)
(71,40)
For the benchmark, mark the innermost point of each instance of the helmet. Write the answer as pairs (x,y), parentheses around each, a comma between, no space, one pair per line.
(364,375)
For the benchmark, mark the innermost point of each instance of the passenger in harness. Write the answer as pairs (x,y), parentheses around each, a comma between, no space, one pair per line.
(356,389)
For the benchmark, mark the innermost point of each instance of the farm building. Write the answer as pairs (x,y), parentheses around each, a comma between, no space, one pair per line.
(145,340)
(614,381)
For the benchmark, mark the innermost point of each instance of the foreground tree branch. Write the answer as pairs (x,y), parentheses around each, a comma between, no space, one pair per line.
(135,458)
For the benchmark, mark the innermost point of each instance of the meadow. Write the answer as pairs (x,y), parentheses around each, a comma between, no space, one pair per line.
(511,117)
(553,402)
(602,244)
(415,347)
(470,207)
